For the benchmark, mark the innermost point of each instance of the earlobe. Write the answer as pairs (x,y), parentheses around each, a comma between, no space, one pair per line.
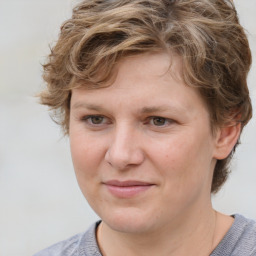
(226,138)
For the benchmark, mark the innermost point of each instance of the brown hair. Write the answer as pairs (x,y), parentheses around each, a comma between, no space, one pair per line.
(206,34)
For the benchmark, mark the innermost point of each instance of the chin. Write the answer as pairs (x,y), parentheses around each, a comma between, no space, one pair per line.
(129,221)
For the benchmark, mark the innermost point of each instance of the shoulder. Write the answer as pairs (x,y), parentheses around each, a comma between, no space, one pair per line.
(83,244)
(246,241)
(243,236)
(240,240)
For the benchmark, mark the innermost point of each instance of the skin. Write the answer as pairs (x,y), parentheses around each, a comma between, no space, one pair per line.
(148,126)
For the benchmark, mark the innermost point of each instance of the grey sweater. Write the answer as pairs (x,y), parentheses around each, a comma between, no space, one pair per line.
(240,240)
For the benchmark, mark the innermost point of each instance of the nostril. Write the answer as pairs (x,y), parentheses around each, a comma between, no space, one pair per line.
(117,158)
(121,159)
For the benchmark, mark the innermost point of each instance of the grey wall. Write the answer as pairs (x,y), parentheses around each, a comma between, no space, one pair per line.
(39,198)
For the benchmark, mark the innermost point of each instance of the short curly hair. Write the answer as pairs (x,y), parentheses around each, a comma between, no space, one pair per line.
(206,34)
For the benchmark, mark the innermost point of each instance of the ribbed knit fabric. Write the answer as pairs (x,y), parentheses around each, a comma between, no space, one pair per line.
(240,240)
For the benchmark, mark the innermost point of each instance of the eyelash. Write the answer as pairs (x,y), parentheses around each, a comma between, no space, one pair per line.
(88,119)
(167,121)
(148,120)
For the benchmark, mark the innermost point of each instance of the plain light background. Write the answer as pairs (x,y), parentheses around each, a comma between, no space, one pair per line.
(39,197)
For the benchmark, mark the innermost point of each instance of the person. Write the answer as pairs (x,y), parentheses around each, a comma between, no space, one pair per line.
(153,96)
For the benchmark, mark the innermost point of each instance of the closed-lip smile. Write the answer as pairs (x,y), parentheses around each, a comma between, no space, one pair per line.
(128,188)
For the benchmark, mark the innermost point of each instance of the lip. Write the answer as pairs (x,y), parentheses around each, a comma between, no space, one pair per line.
(128,188)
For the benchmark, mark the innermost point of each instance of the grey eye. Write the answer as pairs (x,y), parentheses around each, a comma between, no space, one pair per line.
(159,121)
(96,119)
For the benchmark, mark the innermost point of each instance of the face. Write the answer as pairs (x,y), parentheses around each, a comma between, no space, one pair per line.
(142,148)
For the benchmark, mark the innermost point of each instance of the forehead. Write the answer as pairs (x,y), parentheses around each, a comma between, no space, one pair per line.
(144,81)
(149,66)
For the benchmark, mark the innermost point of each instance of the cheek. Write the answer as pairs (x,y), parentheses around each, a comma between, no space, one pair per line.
(185,170)
(87,154)
(184,161)
(86,158)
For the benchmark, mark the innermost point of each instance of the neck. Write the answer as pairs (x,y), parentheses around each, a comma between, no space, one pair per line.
(179,237)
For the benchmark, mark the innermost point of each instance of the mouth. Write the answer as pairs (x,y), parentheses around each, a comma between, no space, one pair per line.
(127,189)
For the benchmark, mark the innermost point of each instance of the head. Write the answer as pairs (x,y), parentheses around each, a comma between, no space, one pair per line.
(205,34)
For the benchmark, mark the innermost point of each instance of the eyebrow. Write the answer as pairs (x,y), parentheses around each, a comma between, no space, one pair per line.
(87,106)
(144,110)
(148,110)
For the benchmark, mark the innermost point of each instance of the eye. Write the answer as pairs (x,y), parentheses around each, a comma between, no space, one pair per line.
(95,120)
(159,121)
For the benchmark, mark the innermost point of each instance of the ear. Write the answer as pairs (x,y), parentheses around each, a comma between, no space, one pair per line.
(225,140)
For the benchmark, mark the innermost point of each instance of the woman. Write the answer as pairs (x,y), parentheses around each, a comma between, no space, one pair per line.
(153,97)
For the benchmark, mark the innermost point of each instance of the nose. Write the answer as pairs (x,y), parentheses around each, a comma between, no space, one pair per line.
(124,150)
